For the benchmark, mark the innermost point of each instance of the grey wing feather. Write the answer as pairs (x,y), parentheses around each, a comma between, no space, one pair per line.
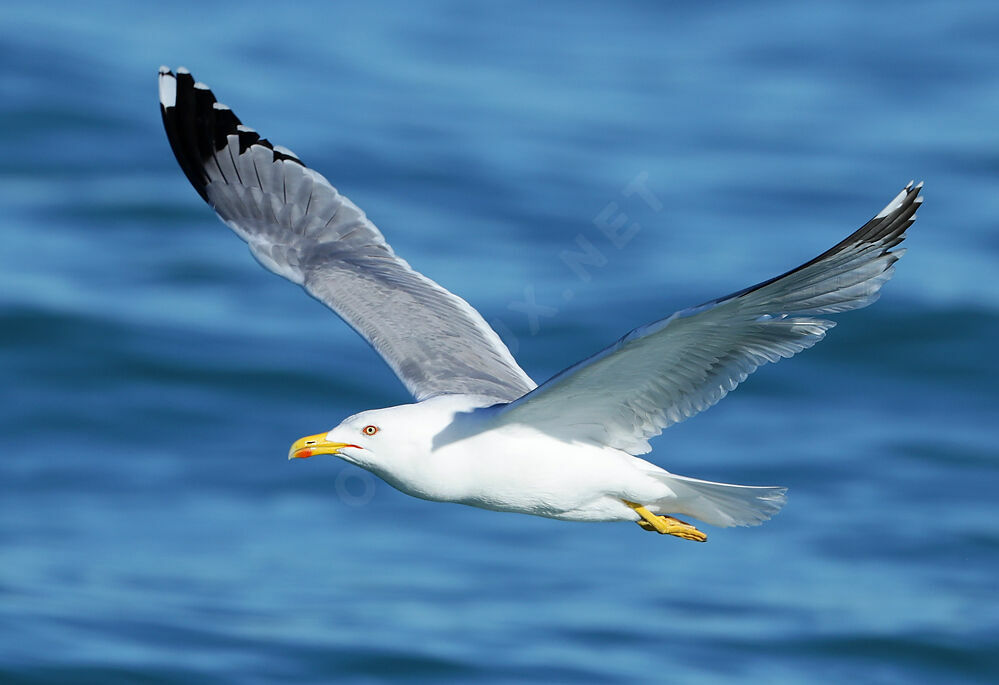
(669,370)
(297,225)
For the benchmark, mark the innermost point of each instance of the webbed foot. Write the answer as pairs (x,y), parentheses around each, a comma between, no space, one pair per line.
(666,525)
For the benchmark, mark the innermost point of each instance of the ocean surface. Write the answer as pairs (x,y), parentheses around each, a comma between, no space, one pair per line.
(152,375)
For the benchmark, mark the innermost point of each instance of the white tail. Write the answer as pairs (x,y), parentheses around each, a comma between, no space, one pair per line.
(722,504)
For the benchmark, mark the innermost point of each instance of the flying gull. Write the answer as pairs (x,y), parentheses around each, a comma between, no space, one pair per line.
(481,432)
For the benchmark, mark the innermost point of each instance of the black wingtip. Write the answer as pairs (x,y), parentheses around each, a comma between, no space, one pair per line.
(197,126)
(887,229)
(183,123)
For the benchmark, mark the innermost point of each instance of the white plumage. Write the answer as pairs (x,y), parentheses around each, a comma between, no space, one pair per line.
(481,432)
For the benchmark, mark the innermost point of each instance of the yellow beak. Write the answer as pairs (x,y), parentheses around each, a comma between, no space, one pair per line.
(315,444)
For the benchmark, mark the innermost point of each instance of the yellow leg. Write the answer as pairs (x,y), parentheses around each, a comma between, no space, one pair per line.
(666,525)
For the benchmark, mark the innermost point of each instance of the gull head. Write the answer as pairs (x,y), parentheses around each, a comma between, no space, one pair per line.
(377,438)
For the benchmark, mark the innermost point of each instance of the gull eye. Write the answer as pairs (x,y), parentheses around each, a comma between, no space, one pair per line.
(370,430)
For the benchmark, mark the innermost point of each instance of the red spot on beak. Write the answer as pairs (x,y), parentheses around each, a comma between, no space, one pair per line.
(303,454)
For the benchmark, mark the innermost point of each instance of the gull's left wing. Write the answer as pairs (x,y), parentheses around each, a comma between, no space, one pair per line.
(669,370)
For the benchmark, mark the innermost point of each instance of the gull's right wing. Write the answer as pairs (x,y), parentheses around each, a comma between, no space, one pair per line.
(299,226)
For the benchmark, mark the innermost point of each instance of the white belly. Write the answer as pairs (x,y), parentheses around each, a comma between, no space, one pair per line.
(521,470)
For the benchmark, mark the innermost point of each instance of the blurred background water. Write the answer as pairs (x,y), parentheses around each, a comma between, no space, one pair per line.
(153,376)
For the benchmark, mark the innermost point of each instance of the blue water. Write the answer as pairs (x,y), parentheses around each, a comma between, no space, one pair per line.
(153,376)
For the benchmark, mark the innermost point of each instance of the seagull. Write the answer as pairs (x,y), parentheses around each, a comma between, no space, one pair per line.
(481,432)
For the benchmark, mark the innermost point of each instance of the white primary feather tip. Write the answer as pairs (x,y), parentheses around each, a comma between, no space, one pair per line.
(168,88)
(896,202)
